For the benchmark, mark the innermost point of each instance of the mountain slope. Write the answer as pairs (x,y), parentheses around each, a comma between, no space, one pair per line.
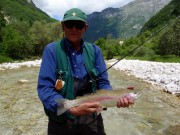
(168,13)
(23,10)
(167,41)
(122,22)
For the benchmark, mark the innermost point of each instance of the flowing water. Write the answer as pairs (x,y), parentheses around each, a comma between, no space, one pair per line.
(154,113)
(21,112)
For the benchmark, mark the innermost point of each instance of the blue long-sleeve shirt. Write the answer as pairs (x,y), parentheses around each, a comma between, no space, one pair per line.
(47,73)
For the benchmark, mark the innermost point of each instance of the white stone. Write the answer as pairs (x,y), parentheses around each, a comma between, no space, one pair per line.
(165,75)
(23,81)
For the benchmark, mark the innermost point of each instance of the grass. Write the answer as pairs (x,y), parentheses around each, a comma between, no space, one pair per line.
(4,58)
(169,58)
(157,58)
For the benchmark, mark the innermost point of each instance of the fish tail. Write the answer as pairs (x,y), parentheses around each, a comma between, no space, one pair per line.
(62,106)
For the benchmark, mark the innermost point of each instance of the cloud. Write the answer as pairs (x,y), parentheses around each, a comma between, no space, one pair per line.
(57,8)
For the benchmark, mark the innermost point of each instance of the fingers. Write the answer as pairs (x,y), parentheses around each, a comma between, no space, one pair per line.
(86,108)
(124,102)
(92,107)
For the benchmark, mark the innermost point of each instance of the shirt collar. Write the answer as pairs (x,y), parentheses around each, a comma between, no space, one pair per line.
(69,46)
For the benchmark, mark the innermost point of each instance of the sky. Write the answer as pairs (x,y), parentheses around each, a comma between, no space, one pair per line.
(57,8)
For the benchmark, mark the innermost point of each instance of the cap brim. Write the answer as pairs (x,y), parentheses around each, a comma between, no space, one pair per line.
(71,18)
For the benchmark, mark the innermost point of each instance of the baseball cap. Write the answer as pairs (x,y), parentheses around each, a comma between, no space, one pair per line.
(75,14)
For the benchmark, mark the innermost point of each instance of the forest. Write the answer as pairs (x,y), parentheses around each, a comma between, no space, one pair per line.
(159,39)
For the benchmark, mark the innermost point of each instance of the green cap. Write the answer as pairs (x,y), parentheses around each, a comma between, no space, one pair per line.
(75,14)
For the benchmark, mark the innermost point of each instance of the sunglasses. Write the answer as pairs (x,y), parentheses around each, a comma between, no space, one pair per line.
(78,24)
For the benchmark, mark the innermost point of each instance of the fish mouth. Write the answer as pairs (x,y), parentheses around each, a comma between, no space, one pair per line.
(135,95)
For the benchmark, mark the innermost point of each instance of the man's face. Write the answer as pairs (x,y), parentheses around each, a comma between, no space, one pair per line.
(74,30)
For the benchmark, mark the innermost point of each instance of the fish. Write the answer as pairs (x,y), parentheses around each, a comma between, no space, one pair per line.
(106,98)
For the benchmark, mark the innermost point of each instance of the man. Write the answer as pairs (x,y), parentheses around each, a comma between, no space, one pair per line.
(81,66)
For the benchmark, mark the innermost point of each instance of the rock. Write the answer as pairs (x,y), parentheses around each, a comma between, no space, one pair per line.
(23,81)
(2,69)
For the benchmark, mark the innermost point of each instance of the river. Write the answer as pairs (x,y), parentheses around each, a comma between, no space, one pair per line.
(21,112)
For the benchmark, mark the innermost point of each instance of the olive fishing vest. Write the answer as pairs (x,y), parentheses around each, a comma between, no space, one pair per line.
(64,68)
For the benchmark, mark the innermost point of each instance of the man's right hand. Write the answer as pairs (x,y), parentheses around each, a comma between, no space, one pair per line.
(85,109)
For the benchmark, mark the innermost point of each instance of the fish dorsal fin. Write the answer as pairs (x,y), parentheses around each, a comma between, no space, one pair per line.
(84,95)
(98,92)
(102,91)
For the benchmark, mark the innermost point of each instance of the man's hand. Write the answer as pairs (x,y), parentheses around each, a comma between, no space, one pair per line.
(85,109)
(124,102)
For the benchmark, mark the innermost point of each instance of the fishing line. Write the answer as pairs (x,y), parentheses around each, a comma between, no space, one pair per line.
(119,59)
(151,36)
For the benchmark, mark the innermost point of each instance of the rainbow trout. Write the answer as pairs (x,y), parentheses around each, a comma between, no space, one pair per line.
(106,98)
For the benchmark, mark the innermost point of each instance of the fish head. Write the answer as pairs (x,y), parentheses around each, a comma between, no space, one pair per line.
(133,95)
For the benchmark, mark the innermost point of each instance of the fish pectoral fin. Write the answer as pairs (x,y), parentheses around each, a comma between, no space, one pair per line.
(99,110)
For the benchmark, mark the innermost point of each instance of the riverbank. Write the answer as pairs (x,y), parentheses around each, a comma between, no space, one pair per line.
(16,65)
(165,75)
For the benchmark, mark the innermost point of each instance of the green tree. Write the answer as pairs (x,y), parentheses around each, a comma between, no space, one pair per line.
(15,40)
(170,40)
(14,44)
(39,36)
(2,23)
(110,47)
(101,42)
(54,31)
(42,33)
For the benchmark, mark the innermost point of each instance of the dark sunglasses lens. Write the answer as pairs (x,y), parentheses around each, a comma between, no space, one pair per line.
(78,24)
(68,24)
